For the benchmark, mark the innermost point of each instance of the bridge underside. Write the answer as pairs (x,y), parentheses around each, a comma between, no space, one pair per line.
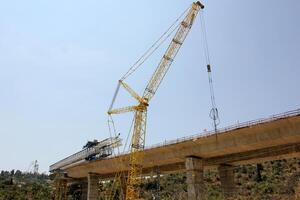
(272,140)
(267,141)
(250,157)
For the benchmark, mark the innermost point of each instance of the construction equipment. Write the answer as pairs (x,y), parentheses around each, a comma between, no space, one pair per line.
(214,113)
(33,167)
(91,151)
(140,110)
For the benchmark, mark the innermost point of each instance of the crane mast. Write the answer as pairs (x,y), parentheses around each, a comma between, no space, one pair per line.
(140,110)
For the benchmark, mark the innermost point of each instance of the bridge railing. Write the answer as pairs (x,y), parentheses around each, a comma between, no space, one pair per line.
(222,130)
(228,128)
(199,135)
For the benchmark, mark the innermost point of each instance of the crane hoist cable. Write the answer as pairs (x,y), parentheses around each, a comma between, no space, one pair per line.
(127,138)
(112,130)
(154,46)
(112,191)
(214,113)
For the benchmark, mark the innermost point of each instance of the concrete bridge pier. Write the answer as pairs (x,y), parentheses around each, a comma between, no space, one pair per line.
(93,184)
(123,184)
(226,173)
(84,188)
(194,178)
(77,189)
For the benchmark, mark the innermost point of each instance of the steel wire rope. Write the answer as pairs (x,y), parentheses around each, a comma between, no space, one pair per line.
(214,115)
(133,68)
(127,138)
(151,50)
(147,54)
(142,62)
(111,121)
(116,180)
(118,175)
(118,86)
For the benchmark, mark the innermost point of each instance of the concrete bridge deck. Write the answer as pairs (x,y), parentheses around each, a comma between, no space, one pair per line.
(256,141)
(272,138)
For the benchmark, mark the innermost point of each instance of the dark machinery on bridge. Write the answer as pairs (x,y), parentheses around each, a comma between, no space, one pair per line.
(91,150)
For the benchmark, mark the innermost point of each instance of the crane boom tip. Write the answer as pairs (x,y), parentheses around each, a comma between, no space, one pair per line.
(200,4)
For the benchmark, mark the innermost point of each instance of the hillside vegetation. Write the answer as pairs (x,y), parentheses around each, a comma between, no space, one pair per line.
(275,180)
(16,185)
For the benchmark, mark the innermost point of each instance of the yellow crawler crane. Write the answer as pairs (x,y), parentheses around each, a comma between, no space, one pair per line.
(140,110)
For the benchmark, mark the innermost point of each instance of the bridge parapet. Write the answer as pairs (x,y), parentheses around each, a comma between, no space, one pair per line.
(257,139)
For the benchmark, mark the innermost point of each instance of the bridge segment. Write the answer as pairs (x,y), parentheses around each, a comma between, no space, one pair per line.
(256,141)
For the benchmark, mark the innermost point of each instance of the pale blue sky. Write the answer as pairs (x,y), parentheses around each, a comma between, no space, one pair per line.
(60,62)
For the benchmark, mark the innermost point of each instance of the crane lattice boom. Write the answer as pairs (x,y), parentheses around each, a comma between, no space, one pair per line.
(172,51)
(140,116)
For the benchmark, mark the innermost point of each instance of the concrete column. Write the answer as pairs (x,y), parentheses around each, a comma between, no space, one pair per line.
(123,184)
(84,191)
(227,180)
(93,183)
(194,178)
